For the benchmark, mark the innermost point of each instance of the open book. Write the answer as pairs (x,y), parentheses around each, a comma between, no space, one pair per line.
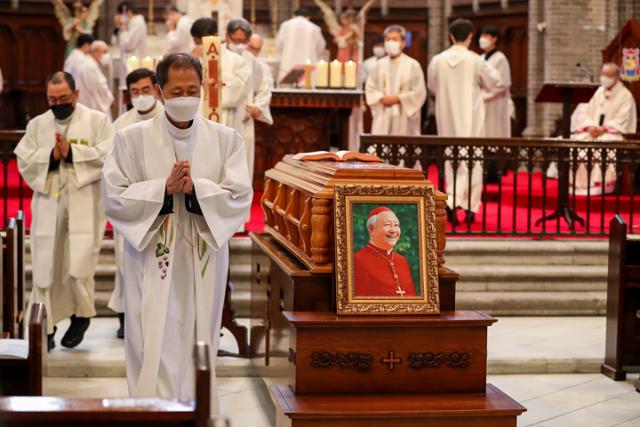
(339,156)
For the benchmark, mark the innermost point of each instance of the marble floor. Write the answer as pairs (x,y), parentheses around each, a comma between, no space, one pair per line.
(548,364)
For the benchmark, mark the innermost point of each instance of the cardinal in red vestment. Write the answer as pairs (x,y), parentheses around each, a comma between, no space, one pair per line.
(379,271)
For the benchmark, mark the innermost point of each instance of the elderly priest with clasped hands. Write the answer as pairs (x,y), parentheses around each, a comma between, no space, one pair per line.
(177,188)
(379,271)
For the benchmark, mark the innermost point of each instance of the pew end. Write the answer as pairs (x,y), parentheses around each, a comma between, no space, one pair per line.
(22,361)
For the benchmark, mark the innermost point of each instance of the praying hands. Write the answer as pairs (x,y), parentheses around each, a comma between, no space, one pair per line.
(61,148)
(179,181)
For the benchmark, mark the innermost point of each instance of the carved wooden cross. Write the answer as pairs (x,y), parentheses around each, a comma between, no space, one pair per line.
(391,361)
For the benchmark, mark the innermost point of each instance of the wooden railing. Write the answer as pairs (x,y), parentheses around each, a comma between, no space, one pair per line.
(521,193)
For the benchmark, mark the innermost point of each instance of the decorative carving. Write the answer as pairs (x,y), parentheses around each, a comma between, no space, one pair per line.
(345,304)
(358,361)
(316,99)
(435,360)
(320,238)
(292,356)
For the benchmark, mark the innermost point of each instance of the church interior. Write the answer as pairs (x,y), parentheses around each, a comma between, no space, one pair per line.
(487,150)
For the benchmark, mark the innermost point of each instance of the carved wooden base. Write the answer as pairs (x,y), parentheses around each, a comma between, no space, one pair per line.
(491,409)
(444,353)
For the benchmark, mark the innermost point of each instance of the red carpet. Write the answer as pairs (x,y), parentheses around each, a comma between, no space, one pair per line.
(511,216)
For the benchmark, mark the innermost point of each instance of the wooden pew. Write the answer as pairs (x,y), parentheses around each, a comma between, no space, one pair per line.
(623,302)
(10,279)
(126,412)
(22,361)
(20,273)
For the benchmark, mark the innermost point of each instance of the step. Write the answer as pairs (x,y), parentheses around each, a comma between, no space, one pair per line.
(534,303)
(477,278)
(463,252)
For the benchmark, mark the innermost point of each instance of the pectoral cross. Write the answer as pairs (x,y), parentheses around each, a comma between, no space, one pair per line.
(400,291)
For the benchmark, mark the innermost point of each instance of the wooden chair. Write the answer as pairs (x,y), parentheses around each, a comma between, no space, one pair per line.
(22,361)
(126,412)
(623,302)
(20,273)
(10,279)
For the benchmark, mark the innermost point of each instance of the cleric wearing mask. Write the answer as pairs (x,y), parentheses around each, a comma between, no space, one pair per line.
(141,87)
(176,187)
(395,89)
(60,157)
(378,53)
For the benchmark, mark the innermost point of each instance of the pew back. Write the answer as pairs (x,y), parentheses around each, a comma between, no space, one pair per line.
(134,412)
(9,279)
(20,272)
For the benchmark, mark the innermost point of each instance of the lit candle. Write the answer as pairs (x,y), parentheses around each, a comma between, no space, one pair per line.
(307,75)
(322,74)
(350,74)
(336,74)
(147,62)
(133,63)
(212,63)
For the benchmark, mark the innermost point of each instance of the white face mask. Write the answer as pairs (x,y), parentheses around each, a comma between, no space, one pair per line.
(123,18)
(392,47)
(484,43)
(182,109)
(143,103)
(105,59)
(237,47)
(607,82)
(379,52)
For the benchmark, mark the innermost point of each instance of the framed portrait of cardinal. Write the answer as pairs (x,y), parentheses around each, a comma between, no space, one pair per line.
(386,254)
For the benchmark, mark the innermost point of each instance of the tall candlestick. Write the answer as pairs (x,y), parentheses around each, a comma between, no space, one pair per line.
(133,63)
(335,79)
(322,74)
(307,75)
(350,74)
(212,69)
(147,62)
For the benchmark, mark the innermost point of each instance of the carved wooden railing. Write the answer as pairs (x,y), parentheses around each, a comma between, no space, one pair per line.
(530,193)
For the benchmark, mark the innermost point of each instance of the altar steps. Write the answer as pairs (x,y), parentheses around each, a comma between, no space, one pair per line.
(502,277)
(530,278)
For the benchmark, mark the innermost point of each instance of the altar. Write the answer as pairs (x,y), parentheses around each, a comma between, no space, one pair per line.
(303,120)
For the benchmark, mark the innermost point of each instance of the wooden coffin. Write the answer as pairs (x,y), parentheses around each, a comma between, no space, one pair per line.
(298,204)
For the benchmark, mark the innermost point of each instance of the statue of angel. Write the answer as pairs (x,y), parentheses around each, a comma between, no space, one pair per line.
(82,21)
(347,30)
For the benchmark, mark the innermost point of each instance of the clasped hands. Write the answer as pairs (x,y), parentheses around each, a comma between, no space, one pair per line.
(389,100)
(179,180)
(595,131)
(61,148)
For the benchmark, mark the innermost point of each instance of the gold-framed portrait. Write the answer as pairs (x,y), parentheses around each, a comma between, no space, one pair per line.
(386,249)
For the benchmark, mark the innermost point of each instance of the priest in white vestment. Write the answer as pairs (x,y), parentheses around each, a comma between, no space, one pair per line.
(379,52)
(60,157)
(395,89)
(177,188)
(609,115)
(457,77)
(131,31)
(141,86)
(298,40)
(496,98)
(74,61)
(236,76)
(92,83)
(256,106)
(179,35)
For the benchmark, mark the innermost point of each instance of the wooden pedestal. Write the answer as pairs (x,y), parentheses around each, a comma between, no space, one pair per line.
(446,353)
(491,409)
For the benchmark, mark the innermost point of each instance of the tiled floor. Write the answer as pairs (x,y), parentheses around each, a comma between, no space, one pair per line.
(570,347)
